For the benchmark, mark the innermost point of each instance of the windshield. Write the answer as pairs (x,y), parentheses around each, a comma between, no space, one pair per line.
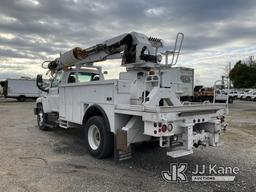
(57,79)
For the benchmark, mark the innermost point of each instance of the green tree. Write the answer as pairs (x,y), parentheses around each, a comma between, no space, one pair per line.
(243,75)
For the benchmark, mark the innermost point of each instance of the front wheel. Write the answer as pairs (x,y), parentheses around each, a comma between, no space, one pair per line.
(41,118)
(99,139)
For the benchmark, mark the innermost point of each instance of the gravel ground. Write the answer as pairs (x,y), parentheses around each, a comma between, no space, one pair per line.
(32,160)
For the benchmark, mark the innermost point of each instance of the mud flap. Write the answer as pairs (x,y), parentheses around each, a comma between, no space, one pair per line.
(122,150)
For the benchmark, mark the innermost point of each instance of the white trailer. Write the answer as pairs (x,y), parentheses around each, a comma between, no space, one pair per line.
(141,105)
(20,89)
(180,79)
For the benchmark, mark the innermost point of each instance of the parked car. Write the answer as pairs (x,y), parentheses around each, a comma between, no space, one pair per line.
(233,94)
(253,97)
(247,96)
(242,93)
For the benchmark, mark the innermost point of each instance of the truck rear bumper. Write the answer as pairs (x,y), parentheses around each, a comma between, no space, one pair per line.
(190,131)
(191,126)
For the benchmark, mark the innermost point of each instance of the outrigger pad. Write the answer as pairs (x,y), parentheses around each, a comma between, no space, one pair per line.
(179,153)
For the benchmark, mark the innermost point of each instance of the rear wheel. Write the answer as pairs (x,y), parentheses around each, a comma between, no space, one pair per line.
(99,139)
(21,98)
(41,118)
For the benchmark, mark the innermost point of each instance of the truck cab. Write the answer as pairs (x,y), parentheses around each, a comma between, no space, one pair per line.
(80,75)
(67,77)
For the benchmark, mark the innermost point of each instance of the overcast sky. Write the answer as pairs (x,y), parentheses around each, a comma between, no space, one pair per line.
(216,31)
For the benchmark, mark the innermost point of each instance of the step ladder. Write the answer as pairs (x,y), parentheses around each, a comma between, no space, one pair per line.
(63,123)
(121,155)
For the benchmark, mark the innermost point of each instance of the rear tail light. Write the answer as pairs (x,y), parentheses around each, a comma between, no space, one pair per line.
(151,73)
(164,128)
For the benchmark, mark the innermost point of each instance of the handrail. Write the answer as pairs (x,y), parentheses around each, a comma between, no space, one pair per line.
(175,51)
(181,35)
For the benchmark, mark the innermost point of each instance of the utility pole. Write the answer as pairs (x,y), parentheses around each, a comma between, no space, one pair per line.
(229,69)
(251,59)
(228,84)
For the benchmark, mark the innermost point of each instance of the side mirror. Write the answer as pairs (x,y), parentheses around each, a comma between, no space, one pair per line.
(39,83)
(105,72)
(2,83)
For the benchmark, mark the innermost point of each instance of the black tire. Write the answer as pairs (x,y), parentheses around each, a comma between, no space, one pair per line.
(105,138)
(41,118)
(21,99)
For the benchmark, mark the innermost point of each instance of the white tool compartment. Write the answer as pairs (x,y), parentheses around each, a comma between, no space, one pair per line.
(76,98)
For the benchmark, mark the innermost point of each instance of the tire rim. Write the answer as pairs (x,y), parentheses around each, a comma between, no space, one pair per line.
(94,137)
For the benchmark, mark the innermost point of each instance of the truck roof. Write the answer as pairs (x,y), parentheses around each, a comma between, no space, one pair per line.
(86,69)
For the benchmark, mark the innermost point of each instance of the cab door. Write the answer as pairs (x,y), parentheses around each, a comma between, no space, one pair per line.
(53,95)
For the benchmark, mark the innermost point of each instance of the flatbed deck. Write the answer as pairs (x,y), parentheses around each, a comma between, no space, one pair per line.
(138,109)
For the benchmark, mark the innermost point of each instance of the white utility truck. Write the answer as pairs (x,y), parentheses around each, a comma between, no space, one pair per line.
(20,89)
(142,105)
